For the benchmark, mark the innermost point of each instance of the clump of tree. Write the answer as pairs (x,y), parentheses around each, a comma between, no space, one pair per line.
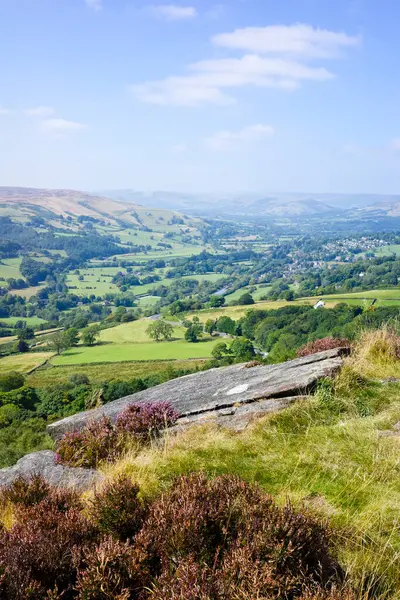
(160,329)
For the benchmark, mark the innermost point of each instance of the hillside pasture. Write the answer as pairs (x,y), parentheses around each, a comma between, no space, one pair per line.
(115,353)
(100,372)
(9,267)
(24,363)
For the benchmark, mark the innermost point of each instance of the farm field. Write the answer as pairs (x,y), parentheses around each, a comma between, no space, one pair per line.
(388,297)
(9,267)
(28,292)
(130,342)
(23,363)
(97,281)
(388,250)
(30,321)
(260,291)
(99,372)
(135,352)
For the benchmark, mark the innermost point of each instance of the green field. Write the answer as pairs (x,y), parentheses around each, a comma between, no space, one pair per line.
(28,292)
(99,372)
(23,363)
(130,342)
(388,250)
(135,352)
(97,281)
(257,294)
(9,267)
(388,297)
(30,321)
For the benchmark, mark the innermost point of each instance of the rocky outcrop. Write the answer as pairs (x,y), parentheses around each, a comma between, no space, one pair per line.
(232,395)
(43,463)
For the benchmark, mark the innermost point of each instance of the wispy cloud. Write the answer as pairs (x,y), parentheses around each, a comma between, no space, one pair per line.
(225,140)
(277,57)
(298,40)
(4,111)
(61,127)
(39,111)
(172,12)
(207,80)
(95,5)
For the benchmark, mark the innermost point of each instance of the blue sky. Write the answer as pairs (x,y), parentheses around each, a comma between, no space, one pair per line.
(201,96)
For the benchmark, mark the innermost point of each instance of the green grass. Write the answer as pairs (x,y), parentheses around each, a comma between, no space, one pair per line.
(9,267)
(257,294)
(23,363)
(30,321)
(97,281)
(98,373)
(132,352)
(388,250)
(386,297)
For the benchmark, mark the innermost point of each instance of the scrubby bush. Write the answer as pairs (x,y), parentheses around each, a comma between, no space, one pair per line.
(145,421)
(113,571)
(326,343)
(117,509)
(26,492)
(218,539)
(36,554)
(79,379)
(11,381)
(229,540)
(86,448)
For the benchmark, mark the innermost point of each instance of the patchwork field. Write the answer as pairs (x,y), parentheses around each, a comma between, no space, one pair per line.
(97,281)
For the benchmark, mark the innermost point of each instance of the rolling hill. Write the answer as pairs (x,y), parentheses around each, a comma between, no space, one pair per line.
(53,204)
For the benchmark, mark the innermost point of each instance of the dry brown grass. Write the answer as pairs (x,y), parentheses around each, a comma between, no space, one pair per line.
(376,353)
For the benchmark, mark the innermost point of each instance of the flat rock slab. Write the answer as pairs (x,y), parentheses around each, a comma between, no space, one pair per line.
(43,463)
(219,389)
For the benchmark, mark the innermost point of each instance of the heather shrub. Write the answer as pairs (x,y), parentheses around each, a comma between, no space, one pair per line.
(97,442)
(112,570)
(326,343)
(36,554)
(145,421)
(26,491)
(117,509)
(235,530)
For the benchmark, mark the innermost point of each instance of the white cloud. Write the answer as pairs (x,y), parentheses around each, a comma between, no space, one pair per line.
(297,40)
(278,57)
(39,111)
(95,5)
(172,12)
(61,127)
(225,140)
(4,111)
(207,80)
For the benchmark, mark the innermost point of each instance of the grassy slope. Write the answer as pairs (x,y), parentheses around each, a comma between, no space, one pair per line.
(98,373)
(98,282)
(130,342)
(23,363)
(324,453)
